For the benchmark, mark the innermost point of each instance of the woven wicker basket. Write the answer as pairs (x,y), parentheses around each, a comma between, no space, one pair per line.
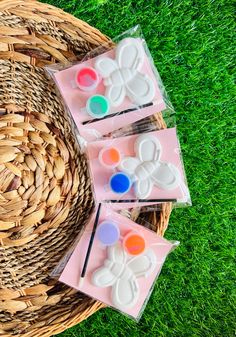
(45,192)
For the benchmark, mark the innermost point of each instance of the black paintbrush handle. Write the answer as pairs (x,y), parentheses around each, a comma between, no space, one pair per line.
(118,113)
(91,241)
(140,200)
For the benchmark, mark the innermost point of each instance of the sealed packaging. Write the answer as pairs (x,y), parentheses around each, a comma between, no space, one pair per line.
(123,263)
(112,89)
(138,170)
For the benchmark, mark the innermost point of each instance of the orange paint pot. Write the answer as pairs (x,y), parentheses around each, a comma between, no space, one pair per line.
(134,243)
(109,157)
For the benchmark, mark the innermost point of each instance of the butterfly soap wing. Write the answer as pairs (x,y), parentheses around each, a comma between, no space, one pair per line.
(166,176)
(143,188)
(125,292)
(139,87)
(147,148)
(105,66)
(130,54)
(117,254)
(108,69)
(108,274)
(115,94)
(129,165)
(143,265)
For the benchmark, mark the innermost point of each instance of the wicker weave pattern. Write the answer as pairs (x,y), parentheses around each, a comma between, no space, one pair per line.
(45,193)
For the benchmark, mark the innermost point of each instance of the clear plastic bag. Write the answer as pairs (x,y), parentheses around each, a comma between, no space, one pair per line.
(115,85)
(124,262)
(138,170)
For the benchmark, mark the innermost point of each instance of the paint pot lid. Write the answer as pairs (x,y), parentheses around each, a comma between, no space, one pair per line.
(87,78)
(134,243)
(97,106)
(120,183)
(109,157)
(108,233)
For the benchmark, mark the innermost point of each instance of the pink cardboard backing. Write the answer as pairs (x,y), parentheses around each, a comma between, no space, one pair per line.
(72,271)
(101,175)
(76,99)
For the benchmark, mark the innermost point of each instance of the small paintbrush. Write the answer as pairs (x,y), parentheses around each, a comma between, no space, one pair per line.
(140,200)
(118,113)
(90,245)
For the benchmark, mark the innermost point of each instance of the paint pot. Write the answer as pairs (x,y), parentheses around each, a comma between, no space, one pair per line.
(97,106)
(108,233)
(120,183)
(87,79)
(134,243)
(109,157)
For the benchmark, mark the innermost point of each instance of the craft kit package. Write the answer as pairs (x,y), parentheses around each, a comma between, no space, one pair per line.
(114,86)
(138,170)
(116,261)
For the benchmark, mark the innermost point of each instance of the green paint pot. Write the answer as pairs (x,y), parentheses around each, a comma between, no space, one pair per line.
(97,106)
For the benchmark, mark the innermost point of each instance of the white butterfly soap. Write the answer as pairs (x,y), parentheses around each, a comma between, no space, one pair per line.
(122,76)
(121,269)
(147,170)
(121,272)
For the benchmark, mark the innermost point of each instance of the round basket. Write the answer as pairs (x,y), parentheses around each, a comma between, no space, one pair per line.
(45,192)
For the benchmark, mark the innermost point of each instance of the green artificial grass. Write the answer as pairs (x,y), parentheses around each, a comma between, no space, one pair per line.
(192,46)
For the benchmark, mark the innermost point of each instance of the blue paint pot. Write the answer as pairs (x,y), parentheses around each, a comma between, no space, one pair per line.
(120,183)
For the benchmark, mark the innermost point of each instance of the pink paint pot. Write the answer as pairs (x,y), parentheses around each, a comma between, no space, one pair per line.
(87,79)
